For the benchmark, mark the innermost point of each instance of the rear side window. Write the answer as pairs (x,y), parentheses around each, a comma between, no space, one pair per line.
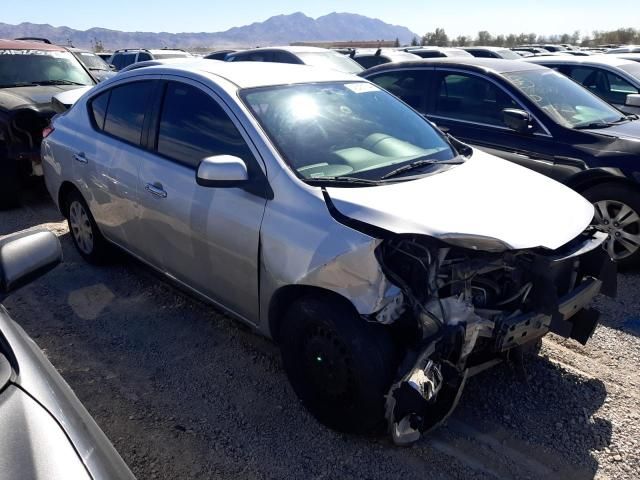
(370,61)
(126,110)
(143,56)
(408,85)
(98,108)
(193,126)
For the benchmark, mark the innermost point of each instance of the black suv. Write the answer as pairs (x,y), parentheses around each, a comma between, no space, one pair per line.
(31,73)
(538,118)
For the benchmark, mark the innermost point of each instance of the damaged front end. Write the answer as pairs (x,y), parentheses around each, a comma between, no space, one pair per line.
(21,134)
(462,310)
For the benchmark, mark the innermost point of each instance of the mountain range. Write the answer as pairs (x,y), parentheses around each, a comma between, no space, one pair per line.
(280,29)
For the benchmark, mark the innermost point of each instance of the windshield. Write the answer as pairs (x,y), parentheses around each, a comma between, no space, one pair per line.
(332,60)
(354,130)
(632,69)
(92,61)
(163,55)
(33,67)
(562,99)
(508,54)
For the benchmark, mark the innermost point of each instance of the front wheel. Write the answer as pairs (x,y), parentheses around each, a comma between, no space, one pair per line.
(84,231)
(340,366)
(617,212)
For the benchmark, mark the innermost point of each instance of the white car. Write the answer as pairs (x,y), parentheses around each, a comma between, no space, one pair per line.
(388,260)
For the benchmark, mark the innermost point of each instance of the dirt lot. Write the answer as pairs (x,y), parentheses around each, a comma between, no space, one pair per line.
(185,392)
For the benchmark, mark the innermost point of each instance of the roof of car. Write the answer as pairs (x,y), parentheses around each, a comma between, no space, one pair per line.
(483,47)
(288,48)
(611,60)
(257,74)
(28,45)
(496,65)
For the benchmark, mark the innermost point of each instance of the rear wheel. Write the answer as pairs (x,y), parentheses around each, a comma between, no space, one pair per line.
(84,231)
(340,366)
(617,212)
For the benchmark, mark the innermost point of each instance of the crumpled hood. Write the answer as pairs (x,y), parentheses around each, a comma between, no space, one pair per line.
(36,96)
(485,196)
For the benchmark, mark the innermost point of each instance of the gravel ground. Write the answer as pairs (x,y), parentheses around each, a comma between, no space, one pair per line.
(185,392)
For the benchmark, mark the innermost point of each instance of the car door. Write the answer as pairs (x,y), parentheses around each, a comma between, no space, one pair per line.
(109,160)
(469,106)
(207,238)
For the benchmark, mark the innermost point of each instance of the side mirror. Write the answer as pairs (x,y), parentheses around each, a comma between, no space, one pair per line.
(517,120)
(222,171)
(633,100)
(112,67)
(26,256)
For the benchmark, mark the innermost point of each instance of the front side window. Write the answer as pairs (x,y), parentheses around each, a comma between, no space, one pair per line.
(98,108)
(607,85)
(471,98)
(40,67)
(126,110)
(143,57)
(353,129)
(193,126)
(562,99)
(408,85)
(369,61)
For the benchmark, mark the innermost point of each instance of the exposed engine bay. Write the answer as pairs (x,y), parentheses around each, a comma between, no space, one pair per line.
(464,310)
(21,132)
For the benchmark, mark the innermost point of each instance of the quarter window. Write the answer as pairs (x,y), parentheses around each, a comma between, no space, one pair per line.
(471,98)
(193,126)
(99,108)
(127,107)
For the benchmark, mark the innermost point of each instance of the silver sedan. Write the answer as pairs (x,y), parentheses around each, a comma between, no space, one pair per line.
(388,260)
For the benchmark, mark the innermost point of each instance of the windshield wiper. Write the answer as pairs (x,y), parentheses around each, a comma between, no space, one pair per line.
(593,125)
(340,179)
(58,82)
(18,84)
(420,163)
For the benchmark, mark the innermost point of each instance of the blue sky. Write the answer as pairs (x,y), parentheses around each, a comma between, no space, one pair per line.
(457,17)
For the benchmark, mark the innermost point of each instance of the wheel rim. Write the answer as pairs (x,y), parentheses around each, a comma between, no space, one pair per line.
(622,225)
(81,227)
(328,367)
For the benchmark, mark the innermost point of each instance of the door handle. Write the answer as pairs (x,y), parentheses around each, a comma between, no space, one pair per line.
(156,189)
(80,157)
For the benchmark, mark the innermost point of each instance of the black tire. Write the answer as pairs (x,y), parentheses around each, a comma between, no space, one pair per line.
(611,196)
(83,229)
(340,366)
(9,182)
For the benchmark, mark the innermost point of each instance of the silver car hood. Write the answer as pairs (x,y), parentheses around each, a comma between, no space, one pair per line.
(485,197)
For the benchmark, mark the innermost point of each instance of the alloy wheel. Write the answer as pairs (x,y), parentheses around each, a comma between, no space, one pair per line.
(622,225)
(81,228)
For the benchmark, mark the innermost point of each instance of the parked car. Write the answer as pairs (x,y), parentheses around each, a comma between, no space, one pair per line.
(492,52)
(538,118)
(435,52)
(100,70)
(124,58)
(635,57)
(532,50)
(30,74)
(314,56)
(46,432)
(331,217)
(613,79)
(219,54)
(624,49)
(368,58)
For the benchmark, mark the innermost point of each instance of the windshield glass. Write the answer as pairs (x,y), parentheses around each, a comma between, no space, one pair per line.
(92,61)
(27,67)
(163,55)
(332,60)
(566,102)
(508,54)
(354,130)
(632,69)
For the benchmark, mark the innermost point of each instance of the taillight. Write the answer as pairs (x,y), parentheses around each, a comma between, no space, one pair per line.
(48,130)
